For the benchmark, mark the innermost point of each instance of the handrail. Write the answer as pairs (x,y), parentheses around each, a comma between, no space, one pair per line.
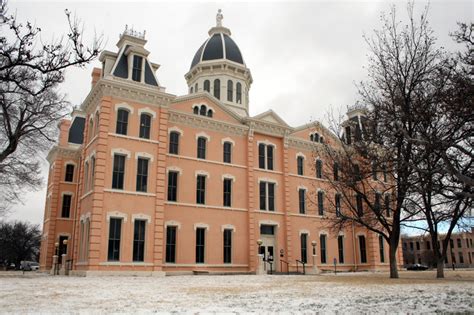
(287,266)
(302,263)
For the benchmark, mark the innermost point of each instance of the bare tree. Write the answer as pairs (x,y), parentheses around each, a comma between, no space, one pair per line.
(30,101)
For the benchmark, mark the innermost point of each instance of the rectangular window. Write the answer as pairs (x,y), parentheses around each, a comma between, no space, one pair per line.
(267,229)
(388,211)
(122,122)
(139,240)
(227,152)
(137,68)
(69,173)
(322,245)
(340,248)
(261,156)
(171,244)
(300,162)
(227,192)
(269,157)
(336,171)
(348,136)
(201,189)
(271,196)
(142,174)
(320,203)
(66,209)
(319,169)
(459,243)
(304,247)
(451,243)
(337,201)
(384,170)
(381,248)
(411,245)
(174,143)
(172,186)
(200,243)
(227,246)
(201,148)
(263,195)
(360,208)
(114,239)
(118,171)
(302,198)
(374,171)
(377,202)
(417,245)
(461,258)
(363,250)
(145,125)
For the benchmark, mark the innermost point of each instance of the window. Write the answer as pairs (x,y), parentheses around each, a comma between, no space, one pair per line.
(217,89)
(195,88)
(69,173)
(384,170)
(66,208)
(86,176)
(174,142)
(137,68)
(122,122)
(461,258)
(196,110)
(388,212)
(300,163)
(201,148)
(459,243)
(411,245)
(92,177)
(191,89)
(340,248)
(304,247)
(209,113)
(142,174)
(114,239)
(467,243)
(265,155)
(302,197)
(337,201)
(267,196)
(96,123)
(200,243)
(172,186)
(451,243)
(320,202)
(348,136)
(322,246)
(201,189)
(336,171)
(145,124)
(359,205)
(171,244)
(316,137)
(267,229)
(227,246)
(139,240)
(203,110)
(378,196)
(207,86)
(417,245)
(238,93)
(319,169)
(227,152)
(90,130)
(374,171)
(118,171)
(357,174)
(227,192)
(381,248)
(363,250)
(230,90)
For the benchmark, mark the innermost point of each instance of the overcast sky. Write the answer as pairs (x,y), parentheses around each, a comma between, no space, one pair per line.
(305,57)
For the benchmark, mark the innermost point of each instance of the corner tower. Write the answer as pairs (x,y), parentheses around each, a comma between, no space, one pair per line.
(219,69)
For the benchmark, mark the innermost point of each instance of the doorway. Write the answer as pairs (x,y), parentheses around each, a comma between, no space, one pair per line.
(268,248)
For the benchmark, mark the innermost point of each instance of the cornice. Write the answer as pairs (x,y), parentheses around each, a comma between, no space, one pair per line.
(74,153)
(268,128)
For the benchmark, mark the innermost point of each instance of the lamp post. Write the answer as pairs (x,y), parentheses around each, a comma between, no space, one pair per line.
(315,268)
(260,265)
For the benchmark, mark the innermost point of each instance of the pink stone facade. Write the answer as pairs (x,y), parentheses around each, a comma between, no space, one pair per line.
(114,226)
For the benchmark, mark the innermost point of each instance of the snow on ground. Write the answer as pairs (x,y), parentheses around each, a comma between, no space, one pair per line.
(349,293)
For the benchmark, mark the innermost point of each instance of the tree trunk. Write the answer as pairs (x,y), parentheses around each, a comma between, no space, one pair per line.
(393,262)
(440,268)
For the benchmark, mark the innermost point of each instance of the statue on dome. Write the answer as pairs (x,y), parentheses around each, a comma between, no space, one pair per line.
(219,18)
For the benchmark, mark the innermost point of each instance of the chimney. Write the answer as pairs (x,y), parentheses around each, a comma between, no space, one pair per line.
(96,73)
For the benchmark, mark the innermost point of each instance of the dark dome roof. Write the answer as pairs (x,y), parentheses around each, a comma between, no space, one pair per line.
(216,47)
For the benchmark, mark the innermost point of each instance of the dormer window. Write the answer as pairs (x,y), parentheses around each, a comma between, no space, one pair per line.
(238,93)
(137,68)
(203,110)
(315,137)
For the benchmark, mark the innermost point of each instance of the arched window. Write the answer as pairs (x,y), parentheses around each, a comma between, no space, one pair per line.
(203,110)
(227,152)
(207,86)
(92,177)
(191,90)
(217,89)
(201,148)
(145,125)
(311,137)
(91,129)
(196,110)
(209,113)
(319,169)
(122,122)
(320,202)
(86,176)
(300,163)
(96,123)
(195,88)
(230,90)
(174,142)
(238,93)
(316,137)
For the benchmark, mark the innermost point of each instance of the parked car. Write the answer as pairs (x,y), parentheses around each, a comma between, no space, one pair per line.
(417,267)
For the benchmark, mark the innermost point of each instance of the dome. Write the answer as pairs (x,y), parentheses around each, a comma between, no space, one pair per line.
(218,46)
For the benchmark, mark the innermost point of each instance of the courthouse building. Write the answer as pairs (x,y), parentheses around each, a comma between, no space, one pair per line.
(146,182)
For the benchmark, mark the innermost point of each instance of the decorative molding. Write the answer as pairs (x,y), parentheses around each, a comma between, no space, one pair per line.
(305,231)
(173,223)
(266,142)
(85,216)
(229,176)
(201,225)
(301,187)
(70,162)
(124,106)
(144,155)
(204,135)
(202,172)
(141,216)
(268,180)
(268,222)
(194,206)
(120,151)
(70,193)
(205,104)
(301,154)
(116,214)
(174,169)
(146,110)
(176,129)
(323,232)
(228,227)
(127,192)
(227,139)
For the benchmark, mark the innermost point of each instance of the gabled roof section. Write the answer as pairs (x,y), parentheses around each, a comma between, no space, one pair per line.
(314,126)
(271,117)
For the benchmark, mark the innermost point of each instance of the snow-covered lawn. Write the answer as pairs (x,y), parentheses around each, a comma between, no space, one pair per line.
(344,293)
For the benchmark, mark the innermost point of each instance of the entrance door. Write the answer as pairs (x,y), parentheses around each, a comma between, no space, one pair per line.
(62,248)
(269,248)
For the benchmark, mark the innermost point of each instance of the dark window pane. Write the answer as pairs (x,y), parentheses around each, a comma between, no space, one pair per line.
(209,113)
(320,203)
(172,186)
(238,93)
(201,189)
(302,197)
(300,162)
(203,110)
(66,209)
(322,246)
(261,155)
(217,89)
(381,248)
(174,142)
(114,239)
(359,205)
(171,244)
(122,122)
(137,68)
(319,169)
(142,174)
(227,152)
(196,110)
(69,173)
(338,205)
(201,148)
(269,157)
(263,195)
(139,240)
(363,251)
(304,248)
(227,246)
(340,247)
(200,243)
(230,91)
(207,86)
(227,192)
(145,125)
(267,229)
(118,171)
(336,171)
(271,196)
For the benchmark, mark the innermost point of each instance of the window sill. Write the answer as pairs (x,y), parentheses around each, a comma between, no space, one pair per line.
(128,192)
(133,138)
(204,160)
(194,205)
(118,263)
(269,212)
(267,171)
